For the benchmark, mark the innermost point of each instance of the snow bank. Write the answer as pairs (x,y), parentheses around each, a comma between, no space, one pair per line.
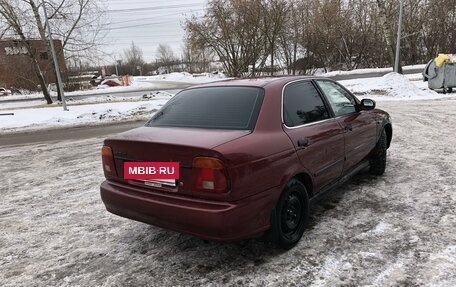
(399,86)
(371,70)
(143,83)
(182,77)
(80,115)
(392,86)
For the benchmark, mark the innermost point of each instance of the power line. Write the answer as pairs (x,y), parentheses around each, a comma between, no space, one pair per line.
(136,25)
(155,8)
(140,25)
(150,18)
(141,34)
(133,20)
(138,43)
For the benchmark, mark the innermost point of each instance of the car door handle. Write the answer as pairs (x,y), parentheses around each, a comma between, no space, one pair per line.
(302,143)
(348,127)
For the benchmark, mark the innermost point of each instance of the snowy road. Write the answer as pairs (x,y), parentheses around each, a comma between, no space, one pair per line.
(395,230)
(71,133)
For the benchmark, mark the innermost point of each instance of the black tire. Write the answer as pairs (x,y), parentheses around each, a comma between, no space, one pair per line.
(378,158)
(450,90)
(290,215)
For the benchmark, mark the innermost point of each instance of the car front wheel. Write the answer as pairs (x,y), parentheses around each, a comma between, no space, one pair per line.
(290,215)
(378,159)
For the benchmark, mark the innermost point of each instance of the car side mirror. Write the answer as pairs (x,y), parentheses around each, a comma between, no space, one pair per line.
(367,104)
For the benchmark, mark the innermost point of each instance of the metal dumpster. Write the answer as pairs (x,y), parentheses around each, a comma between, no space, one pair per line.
(443,77)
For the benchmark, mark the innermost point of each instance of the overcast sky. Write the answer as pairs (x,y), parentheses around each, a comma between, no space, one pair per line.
(147,23)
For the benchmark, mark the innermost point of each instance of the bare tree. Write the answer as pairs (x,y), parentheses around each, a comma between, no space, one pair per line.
(274,14)
(437,30)
(289,37)
(385,10)
(133,58)
(196,59)
(4,27)
(232,29)
(306,35)
(77,23)
(165,56)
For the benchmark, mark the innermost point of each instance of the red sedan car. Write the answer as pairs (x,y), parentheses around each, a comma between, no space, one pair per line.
(252,155)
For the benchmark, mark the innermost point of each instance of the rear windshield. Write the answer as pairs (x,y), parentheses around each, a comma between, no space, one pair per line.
(234,108)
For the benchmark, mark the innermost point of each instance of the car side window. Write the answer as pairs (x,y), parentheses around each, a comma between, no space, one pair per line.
(340,100)
(302,104)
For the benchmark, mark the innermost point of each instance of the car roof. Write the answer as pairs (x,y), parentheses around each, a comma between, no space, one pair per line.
(258,82)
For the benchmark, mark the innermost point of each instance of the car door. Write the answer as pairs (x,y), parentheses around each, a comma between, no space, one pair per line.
(317,137)
(359,126)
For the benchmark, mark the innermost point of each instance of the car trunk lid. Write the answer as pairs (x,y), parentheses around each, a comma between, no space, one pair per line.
(159,144)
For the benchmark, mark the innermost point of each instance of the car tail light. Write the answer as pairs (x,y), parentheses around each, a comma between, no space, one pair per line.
(107,158)
(209,175)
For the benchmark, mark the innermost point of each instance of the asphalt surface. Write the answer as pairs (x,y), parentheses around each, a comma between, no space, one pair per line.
(56,135)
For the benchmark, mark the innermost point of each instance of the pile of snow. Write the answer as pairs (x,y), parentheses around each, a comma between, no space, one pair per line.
(399,86)
(142,83)
(103,89)
(80,115)
(183,77)
(158,95)
(392,86)
(24,95)
(370,70)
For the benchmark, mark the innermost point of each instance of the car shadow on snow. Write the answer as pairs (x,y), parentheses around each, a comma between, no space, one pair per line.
(192,258)
(184,253)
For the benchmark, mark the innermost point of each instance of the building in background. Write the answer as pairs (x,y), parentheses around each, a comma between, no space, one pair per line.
(16,69)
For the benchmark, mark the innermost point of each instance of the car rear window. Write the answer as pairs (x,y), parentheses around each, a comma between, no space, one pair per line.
(212,108)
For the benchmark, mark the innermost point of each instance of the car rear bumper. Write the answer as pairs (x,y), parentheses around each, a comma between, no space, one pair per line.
(220,221)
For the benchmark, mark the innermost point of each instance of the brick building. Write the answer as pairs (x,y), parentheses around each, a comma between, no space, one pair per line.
(16,68)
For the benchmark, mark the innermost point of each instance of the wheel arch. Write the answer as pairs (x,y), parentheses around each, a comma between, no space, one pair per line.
(275,233)
(305,179)
(389,134)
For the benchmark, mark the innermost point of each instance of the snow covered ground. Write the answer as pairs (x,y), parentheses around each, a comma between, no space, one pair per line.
(142,83)
(372,70)
(103,109)
(394,230)
(32,119)
(182,77)
(394,87)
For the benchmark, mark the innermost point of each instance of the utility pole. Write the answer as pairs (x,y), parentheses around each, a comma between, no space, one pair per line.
(398,41)
(54,58)
(115,64)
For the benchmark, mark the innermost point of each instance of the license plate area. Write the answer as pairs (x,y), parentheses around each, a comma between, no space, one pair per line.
(160,182)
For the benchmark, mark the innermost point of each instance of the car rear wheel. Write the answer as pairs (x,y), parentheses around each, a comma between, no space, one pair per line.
(378,159)
(290,215)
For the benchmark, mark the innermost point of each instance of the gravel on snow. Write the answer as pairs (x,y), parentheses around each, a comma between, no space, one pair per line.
(398,229)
